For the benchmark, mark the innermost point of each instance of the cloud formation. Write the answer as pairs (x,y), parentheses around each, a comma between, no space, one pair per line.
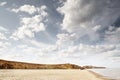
(31,9)
(83,16)
(31,25)
(65,39)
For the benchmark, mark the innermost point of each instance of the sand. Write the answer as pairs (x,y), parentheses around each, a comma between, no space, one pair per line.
(49,75)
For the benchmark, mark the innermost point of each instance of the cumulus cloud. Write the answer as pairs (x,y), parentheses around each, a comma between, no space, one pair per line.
(42,10)
(30,25)
(26,8)
(3,3)
(31,9)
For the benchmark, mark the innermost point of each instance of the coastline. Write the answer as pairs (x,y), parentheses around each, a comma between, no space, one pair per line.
(50,74)
(100,76)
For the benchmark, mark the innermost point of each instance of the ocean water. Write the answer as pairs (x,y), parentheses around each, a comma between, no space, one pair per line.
(112,73)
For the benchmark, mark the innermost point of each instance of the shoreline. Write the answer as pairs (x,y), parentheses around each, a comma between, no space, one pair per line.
(100,76)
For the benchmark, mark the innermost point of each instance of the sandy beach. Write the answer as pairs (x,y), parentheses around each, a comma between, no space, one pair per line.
(49,75)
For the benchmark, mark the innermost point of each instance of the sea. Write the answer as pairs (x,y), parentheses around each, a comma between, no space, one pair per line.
(112,73)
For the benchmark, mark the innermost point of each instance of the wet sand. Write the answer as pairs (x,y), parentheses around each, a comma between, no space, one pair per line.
(49,75)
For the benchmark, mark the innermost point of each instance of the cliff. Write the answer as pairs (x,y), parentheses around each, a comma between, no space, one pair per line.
(4,64)
(21,65)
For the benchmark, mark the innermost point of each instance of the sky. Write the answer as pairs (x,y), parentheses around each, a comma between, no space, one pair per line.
(83,32)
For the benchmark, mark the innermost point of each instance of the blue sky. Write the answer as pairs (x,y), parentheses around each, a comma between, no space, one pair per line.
(83,32)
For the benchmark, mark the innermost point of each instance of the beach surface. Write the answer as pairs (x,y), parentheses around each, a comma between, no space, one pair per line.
(49,75)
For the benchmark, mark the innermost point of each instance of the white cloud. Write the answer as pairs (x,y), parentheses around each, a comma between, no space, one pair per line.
(4,45)
(43,7)
(3,3)
(2,36)
(97,27)
(3,29)
(22,46)
(31,9)
(42,10)
(66,39)
(26,8)
(37,44)
(33,50)
(45,48)
(85,50)
(91,54)
(61,2)
(29,27)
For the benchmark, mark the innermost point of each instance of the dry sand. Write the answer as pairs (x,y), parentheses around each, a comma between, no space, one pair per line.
(49,75)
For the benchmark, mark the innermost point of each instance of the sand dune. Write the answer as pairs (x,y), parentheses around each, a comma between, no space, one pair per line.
(48,75)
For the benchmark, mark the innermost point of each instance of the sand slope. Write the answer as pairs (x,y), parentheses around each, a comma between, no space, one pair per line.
(47,75)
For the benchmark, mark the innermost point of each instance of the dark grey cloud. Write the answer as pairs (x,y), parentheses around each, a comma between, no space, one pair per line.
(116,24)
